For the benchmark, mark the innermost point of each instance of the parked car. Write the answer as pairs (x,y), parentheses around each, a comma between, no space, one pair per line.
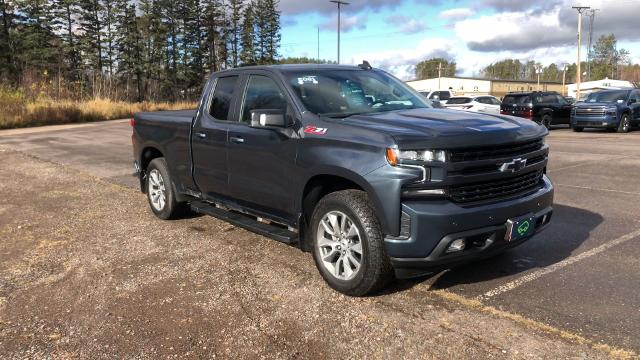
(610,109)
(438,95)
(299,153)
(484,104)
(545,108)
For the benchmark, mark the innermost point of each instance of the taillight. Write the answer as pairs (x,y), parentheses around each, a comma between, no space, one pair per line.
(529,113)
(504,112)
(132,122)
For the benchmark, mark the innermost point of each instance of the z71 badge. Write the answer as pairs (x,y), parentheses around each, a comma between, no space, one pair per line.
(315,130)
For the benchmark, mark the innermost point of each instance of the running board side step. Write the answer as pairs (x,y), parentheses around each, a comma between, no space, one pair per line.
(246,222)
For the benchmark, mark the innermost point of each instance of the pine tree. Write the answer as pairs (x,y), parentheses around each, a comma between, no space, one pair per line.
(7,67)
(248,54)
(267,31)
(91,35)
(128,43)
(38,43)
(66,13)
(236,8)
(214,39)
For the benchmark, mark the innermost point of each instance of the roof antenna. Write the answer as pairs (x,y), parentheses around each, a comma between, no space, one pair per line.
(365,65)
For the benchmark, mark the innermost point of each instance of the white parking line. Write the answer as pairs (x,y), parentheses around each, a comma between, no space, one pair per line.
(598,189)
(557,266)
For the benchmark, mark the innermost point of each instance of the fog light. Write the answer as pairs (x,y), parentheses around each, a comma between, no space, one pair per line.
(456,245)
(604,123)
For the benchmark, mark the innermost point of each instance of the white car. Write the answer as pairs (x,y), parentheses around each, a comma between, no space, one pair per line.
(484,104)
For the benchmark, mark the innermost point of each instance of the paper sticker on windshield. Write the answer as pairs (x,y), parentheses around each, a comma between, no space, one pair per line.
(315,130)
(307,80)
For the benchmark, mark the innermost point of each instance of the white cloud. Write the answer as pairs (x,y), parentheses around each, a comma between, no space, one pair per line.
(347,23)
(456,14)
(407,24)
(401,62)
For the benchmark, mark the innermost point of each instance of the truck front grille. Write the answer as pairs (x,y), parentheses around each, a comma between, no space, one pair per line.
(501,151)
(595,111)
(497,189)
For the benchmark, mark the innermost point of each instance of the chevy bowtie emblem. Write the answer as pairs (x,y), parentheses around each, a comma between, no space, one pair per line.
(514,166)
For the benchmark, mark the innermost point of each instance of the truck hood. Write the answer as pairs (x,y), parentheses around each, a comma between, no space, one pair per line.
(444,129)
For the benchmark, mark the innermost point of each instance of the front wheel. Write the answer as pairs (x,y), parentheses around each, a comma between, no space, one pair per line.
(625,124)
(348,244)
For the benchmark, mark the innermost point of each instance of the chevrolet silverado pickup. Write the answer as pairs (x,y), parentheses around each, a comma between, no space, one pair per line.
(610,109)
(350,164)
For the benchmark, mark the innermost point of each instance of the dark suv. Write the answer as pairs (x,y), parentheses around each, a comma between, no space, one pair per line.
(546,108)
(611,109)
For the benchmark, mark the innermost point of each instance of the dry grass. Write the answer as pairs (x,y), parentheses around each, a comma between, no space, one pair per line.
(17,111)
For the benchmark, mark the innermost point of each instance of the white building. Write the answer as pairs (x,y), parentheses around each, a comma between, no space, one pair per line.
(588,87)
(459,85)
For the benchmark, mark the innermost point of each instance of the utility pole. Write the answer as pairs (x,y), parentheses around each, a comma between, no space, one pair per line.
(318,44)
(580,10)
(538,68)
(564,78)
(439,74)
(592,15)
(340,3)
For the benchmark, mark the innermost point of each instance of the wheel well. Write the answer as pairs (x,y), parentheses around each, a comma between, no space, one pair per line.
(317,187)
(148,155)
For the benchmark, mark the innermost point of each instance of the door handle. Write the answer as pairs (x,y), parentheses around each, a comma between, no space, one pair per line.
(201,135)
(236,139)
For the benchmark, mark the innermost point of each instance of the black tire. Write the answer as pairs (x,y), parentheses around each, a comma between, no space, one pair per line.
(375,270)
(546,121)
(577,128)
(625,124)
(170,208)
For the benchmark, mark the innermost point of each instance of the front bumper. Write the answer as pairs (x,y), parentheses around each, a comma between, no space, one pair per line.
(606,121)
(435,224)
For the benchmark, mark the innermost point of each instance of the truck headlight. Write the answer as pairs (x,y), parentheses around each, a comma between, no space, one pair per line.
(395,156)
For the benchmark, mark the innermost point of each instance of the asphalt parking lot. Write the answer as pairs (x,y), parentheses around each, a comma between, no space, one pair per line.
(87,271)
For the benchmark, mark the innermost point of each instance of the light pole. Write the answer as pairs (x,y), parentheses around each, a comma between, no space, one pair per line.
(538,68)
(580,10)
(564,78)
(340,3)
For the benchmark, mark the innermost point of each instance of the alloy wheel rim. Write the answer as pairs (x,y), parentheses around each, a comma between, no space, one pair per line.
(625,123)
(157,191)
(339,245)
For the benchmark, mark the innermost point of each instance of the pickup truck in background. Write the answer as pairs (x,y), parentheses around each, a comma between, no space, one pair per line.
(610,109)
(349,163)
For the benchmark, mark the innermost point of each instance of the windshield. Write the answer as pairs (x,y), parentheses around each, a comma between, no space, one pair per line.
(608,96)
(341,93)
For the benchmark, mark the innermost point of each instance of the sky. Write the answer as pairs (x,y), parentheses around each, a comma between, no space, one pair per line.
(396,34)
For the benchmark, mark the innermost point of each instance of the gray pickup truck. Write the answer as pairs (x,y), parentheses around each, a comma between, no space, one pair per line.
(349,163)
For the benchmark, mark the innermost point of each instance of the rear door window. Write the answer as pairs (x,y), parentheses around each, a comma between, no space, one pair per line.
(444,95)
(222,97)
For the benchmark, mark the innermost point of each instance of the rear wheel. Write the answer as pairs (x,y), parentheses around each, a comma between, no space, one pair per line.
(348,245)
(625,124)
(546,121)
(160,192)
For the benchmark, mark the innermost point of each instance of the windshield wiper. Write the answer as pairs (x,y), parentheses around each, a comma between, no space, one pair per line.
(346,115)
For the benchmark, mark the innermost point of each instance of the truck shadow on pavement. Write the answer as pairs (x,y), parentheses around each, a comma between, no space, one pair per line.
(569,228)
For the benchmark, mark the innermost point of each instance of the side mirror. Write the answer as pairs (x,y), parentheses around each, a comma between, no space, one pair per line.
(268,118)
(632,101)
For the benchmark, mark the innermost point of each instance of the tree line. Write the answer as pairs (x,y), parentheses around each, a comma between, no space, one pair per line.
(131,50)
(607,61)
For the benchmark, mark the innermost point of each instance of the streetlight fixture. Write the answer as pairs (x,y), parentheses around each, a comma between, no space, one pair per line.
(339,3)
